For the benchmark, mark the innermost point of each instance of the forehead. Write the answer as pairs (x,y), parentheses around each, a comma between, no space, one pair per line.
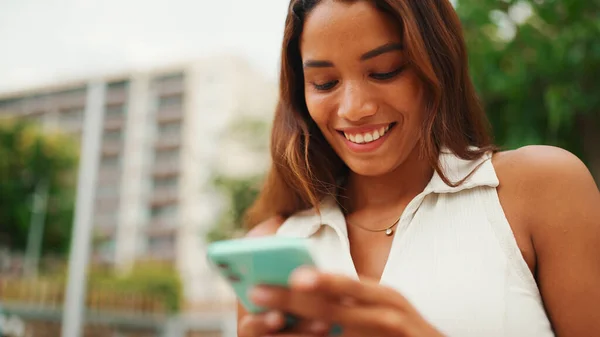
(347,26)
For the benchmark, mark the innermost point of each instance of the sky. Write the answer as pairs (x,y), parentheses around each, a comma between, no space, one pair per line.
(52,41)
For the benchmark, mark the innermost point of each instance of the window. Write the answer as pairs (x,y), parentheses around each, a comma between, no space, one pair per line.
(170,102)
(107,190)
(166,183)
(169,130)
(75,98)
(111,162)
(119,85)
(164,211)
(9,105)
(113,111)
(174,77)
(160,244)
(105,219)
(78,91)
(71,116)
(166,156)
(113,135)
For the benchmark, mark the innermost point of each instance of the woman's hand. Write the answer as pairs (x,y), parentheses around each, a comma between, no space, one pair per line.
(273,323)
(362,308)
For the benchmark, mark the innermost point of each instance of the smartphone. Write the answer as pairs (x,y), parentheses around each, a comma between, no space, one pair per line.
(246,263)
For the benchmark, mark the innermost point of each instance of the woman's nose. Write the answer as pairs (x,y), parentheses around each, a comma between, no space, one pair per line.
(356,103)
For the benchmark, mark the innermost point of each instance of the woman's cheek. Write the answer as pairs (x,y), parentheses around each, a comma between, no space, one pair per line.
(319,109)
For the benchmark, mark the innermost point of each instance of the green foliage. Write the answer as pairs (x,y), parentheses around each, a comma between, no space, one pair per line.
(539,85)
(251,132)
(150,279)
(153,279)
(240,193)
(29,157)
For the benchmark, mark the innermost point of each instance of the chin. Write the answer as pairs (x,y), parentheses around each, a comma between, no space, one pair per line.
(369,168)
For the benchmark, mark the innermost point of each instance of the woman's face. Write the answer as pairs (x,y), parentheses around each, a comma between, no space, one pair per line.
(365,100)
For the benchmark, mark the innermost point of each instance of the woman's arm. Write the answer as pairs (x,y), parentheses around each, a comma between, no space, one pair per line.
(563,215)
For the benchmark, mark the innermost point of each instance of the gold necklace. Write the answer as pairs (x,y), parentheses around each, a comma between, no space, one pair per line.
(388,230)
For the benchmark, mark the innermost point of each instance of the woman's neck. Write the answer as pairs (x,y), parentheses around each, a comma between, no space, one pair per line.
(398,186)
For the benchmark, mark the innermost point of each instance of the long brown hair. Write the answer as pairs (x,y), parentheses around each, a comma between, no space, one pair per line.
(304,166)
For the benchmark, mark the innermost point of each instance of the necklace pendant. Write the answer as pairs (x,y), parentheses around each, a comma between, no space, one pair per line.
(389,232)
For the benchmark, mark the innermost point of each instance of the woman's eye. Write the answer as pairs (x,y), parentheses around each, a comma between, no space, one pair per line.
(386,76)
(325,86)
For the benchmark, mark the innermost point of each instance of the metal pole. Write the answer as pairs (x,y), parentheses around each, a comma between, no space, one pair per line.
(36,229)
(84,207)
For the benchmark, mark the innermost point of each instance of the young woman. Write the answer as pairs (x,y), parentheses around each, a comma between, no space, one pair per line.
(420,227)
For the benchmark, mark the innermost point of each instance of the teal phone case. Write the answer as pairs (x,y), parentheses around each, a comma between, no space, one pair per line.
(249,262)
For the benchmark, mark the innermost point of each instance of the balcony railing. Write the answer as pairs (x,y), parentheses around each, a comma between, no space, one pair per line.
(169,88)
(70,101)
(50,294)
(116,96)
(164,196)
(169,114)
(165,169)
(167,143)
(161,227)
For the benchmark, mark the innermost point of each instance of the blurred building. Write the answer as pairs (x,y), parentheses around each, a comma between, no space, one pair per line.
(165,133)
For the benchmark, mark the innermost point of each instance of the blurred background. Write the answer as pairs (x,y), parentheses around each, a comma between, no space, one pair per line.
(145,125)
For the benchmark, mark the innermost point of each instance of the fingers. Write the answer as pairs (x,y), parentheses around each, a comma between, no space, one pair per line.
(312,306)
(312,327)
(361,305)
(261,324)
(274,323)
(338,286)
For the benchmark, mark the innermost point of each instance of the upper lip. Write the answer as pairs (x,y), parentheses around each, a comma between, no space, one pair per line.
(363,129)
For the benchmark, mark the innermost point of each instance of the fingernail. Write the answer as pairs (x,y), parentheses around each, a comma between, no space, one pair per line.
(258,295)
(318,327)
(273,319)
(304,277)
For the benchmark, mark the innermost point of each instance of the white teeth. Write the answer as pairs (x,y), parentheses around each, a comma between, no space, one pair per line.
(367,137)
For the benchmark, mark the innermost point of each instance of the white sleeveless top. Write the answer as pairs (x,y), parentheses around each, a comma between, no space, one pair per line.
(454,256)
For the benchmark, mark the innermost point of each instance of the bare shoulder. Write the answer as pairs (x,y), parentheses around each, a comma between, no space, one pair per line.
(267,227)
(546,183)
(553,192)
(535,169)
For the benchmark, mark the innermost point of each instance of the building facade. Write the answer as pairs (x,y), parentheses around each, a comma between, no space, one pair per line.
(164,135)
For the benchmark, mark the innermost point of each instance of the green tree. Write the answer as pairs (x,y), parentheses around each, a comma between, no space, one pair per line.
(239,191)
(536,66)
(30,157)
(145,278)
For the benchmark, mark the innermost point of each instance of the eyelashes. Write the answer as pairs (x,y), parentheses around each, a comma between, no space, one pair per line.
(387,76)
(376,76)
(325,86)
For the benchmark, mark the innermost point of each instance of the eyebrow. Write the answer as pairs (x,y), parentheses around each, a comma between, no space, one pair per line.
(386,48)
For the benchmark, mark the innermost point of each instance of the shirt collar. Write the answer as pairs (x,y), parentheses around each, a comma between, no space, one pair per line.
(307,223)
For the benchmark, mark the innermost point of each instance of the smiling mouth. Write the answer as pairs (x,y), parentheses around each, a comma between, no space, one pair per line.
(367,137)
